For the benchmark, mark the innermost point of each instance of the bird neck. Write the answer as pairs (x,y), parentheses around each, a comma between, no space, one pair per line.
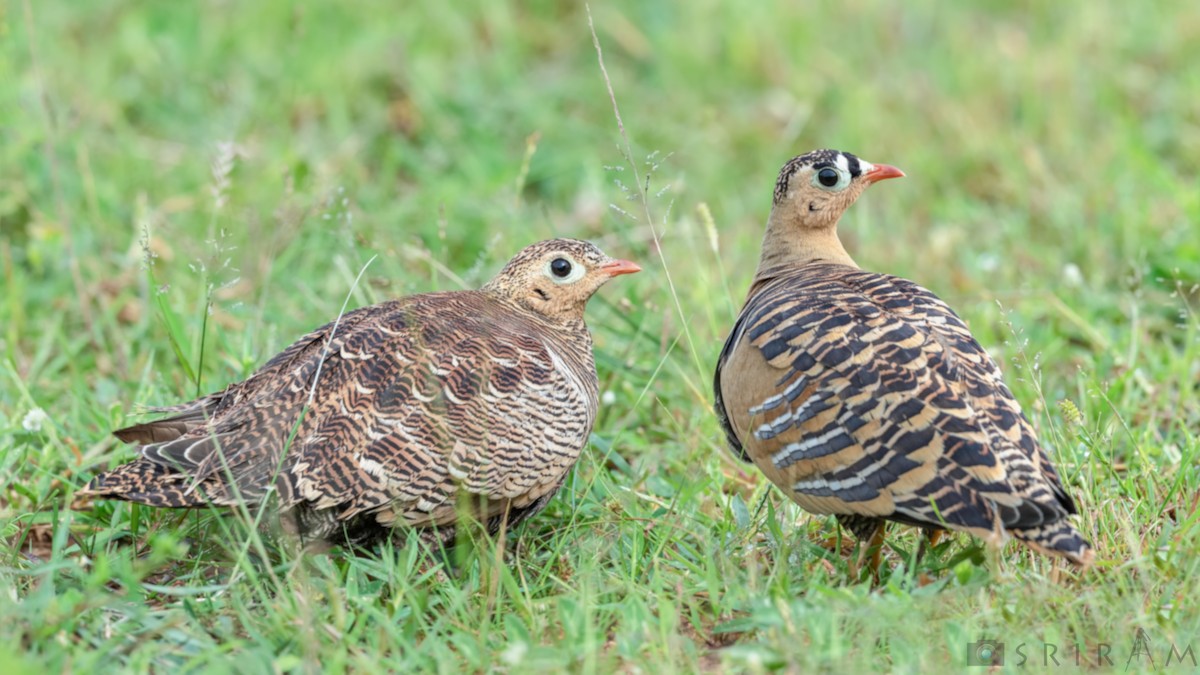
(789,243)
(561,314)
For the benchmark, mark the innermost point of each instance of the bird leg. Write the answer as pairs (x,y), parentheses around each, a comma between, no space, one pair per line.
(869,532)
(932,536)
(873,550)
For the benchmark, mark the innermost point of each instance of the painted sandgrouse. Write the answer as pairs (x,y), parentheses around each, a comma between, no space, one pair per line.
(399,414)
(865,396)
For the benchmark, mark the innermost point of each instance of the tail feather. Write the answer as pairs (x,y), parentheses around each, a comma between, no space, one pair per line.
(1058,538)
(158,431)
(146,482)
(187,416)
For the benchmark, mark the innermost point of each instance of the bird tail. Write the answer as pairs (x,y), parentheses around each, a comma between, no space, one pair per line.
(184,418)
(146,482)
(1058,538)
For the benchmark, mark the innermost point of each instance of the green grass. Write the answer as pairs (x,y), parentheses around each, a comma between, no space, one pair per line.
(1051,150)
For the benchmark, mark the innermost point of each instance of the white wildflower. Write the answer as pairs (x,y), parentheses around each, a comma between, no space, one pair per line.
(608,398)
(514,653)
(1072,275)
(33,420)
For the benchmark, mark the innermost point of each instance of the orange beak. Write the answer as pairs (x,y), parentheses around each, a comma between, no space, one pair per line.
(619,267)
(882,172)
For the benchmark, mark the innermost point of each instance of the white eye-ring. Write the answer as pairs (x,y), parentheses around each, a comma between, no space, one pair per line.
(562,269)
(831,178)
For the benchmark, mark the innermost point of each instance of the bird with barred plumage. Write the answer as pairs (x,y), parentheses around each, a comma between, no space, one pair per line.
(398,415)
(865,396)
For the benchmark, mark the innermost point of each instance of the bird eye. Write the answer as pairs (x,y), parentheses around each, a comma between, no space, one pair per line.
(563,270)
(831,179)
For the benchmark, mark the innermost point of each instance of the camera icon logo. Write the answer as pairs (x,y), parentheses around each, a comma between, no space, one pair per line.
(985,652)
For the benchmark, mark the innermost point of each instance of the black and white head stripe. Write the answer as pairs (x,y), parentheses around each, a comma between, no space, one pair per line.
(817,159)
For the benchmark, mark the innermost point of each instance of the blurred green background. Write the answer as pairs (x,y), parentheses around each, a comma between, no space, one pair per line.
(222,170)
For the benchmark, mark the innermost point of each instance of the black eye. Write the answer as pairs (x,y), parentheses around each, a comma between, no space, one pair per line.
(561,267)
(827,177)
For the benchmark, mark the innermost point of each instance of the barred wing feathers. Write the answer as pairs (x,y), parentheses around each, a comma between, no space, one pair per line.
(865,395)
(415,402)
